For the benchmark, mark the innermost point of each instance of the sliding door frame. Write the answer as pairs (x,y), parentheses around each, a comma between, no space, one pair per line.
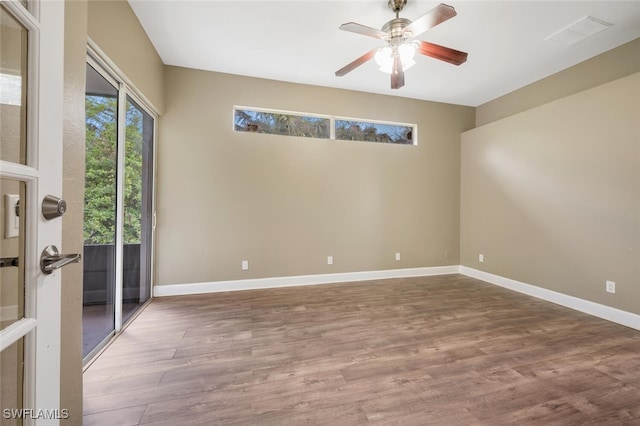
(98,60)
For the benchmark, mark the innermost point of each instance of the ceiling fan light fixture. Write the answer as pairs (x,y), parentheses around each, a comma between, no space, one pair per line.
(399,33)
(407,51)
(384,57)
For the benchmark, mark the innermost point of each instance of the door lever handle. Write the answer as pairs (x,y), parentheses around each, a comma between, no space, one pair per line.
(51,259)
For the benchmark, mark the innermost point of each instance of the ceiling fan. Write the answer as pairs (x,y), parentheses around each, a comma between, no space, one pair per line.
(400,33)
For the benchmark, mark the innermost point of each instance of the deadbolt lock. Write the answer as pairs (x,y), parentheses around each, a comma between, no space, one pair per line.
(53,207)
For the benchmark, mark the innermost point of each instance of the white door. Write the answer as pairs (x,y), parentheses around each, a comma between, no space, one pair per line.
(31,119)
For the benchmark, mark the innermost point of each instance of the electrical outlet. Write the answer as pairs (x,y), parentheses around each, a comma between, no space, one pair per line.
(329,260)
(12,221)
(481,258)
(245,265)
(610,287)
(397,256)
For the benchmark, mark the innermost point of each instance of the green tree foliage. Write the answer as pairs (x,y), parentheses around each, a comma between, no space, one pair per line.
(372,132)
(133,176)
(101,170)
(282,124)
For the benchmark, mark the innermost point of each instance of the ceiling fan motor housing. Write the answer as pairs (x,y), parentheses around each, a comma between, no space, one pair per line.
(396,5)
(395,27)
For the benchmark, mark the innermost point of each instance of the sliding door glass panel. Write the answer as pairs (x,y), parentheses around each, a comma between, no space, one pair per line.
(13,89)
(101,104)
(138,179)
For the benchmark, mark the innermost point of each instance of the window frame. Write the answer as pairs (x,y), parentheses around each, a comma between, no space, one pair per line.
(332,124)
(414,129)
(282,112)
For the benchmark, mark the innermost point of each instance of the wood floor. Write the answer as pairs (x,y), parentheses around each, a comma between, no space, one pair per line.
(446,350)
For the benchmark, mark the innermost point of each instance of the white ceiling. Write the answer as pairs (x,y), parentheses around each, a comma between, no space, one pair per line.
(299,41)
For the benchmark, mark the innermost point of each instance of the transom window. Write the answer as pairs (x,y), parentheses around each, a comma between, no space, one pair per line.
(256,120)
(368,131)
(279,123)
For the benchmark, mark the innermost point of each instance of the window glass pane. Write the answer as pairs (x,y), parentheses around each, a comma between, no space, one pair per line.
(138,184)
(281,124)
(12,215)
(12,383)
(101,108)
(351,130)
(13,89)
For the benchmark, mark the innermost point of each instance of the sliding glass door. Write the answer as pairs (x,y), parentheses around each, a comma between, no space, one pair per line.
(118,208)
(138,209)
(101,165)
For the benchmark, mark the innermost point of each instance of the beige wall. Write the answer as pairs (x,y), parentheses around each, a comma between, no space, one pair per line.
(613,64)
(551,196)
(116,30)
(73,192)
(286,203)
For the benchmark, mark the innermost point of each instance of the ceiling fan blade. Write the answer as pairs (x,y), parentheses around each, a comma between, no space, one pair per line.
(361,29)
(435,16)
(446,54)
(355,64)
(397,74)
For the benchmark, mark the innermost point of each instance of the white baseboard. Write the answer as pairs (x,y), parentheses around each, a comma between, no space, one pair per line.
(260,283)
(597,310)
(601,311)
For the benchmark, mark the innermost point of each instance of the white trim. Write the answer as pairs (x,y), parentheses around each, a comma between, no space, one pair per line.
(303,280)
(31,11)
(35,80)
(121,142)
(153,189)
(45,372)
(596,309)
(17,171)
(16,331)
(21,14)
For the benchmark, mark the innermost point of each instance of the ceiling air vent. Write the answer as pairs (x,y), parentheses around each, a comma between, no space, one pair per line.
(580,30)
